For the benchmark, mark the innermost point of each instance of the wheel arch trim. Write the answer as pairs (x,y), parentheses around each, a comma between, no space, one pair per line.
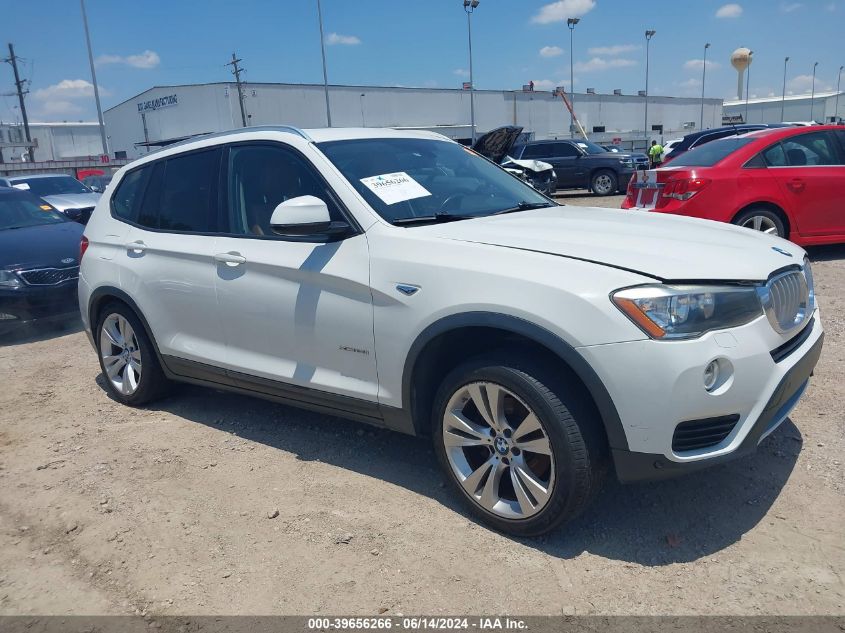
(567,353)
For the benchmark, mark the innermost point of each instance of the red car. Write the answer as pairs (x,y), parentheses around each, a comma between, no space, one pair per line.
(783,181)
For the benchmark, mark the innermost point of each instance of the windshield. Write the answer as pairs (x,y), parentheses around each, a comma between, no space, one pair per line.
(20,210)
(711,153)
(50,186)
(590,147)
(405,178)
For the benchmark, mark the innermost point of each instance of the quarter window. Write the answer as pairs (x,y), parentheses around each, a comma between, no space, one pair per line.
(775,156)
(263,176)
(127,197)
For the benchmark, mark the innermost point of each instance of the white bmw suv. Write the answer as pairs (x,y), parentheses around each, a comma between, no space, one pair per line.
(401,279)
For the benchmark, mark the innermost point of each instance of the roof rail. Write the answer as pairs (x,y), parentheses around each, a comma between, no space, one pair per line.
(260,128)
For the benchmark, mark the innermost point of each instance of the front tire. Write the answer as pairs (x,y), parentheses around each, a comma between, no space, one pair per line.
(128,359)
(604,183)
(520,446)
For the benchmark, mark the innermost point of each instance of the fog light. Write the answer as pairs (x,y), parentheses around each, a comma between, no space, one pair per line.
(711,375)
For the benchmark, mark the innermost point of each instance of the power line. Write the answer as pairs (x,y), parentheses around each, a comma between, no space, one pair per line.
(19,86)
(236,71)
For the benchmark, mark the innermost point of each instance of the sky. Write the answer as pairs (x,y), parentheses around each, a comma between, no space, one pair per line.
(147,43)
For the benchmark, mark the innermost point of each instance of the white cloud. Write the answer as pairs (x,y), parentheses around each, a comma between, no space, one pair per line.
(337,38)
(461,72)
(68,89)
(698,64)
(831,6)
(146,60)
(545,84)
(732,10)
(59,108)
(561,10)
(551,51)
(599,63)
(692,82)
(789,7)
(803,84)
(615,49)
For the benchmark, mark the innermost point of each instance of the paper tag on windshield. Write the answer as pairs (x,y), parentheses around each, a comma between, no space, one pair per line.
(22,185)
(396,187)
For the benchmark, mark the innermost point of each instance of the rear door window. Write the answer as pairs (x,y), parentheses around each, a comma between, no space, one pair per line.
(810,150)
(188,193)
(540,150)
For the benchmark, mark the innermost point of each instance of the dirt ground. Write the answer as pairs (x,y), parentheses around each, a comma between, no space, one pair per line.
(172,509)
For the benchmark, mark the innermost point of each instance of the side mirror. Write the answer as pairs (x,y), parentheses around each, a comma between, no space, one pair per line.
(74,214)
(305,216)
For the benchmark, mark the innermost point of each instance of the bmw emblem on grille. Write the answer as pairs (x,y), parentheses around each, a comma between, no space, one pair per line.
(781,251)
(68,260)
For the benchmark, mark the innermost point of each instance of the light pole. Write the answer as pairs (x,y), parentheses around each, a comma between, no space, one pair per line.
(748,83)
(571,22)
(703,76)
(836,106)
(469,7)
(94,80)
(813,92)
(783,97)
(325,74)
(363,120)
(648,35)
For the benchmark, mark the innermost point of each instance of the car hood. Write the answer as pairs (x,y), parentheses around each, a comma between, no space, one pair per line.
(530,164)
(665,247)
(42,246)
(497,144)
(73,200)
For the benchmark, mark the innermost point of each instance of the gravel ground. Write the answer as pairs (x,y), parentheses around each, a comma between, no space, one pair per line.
(212,503)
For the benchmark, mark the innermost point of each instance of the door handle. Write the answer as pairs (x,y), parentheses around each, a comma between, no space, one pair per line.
(230,259)
(796,184)
(135,247)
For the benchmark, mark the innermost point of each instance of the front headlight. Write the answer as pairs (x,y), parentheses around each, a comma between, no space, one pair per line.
(684,312)
(627,162)
(811,285)
(8,279)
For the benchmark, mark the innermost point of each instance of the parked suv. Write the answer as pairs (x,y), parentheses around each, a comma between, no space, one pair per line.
(398,278)
(581,164)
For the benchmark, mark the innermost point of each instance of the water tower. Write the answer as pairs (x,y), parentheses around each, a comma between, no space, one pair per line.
(741,60)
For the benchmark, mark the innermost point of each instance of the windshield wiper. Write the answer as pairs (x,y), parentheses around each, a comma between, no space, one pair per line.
(525,206)
(431,219)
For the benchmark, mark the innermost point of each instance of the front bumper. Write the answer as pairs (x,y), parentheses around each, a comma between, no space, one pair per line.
(657,385)
(28,304)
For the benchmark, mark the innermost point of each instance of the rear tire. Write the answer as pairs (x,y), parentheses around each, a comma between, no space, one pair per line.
(544,473)
(604,183)
(128,359)
(762,219)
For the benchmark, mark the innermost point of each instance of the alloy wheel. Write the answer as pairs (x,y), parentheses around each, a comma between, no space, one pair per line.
(761,223)
(603,184)
(120,354)
(498,450)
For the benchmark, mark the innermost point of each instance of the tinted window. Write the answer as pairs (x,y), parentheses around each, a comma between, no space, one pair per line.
(815,148)
(151,200)
(187,192)
(54,185)
(711,153)
(260,178)
(840,134)
(439,177)
(127,197)
(775,156)
(565,150)
(540,150)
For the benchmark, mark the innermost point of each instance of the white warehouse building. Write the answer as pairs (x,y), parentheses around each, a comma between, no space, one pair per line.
(821,108)
(165,114)
(52,141)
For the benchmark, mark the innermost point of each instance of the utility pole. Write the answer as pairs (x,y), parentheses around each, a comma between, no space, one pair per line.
(236,71)
(94,79)
(325,72)
(703,77)
(19,83)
